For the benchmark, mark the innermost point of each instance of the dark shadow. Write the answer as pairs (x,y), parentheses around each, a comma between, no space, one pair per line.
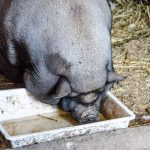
(4,144)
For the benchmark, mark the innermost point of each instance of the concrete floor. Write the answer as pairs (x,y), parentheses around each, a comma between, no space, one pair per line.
(126,139)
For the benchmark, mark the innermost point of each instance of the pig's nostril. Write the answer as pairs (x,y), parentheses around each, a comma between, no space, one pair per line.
(89,116)
(89,112)
(89,119)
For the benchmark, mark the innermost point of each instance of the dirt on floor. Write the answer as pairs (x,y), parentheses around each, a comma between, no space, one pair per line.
(132,60)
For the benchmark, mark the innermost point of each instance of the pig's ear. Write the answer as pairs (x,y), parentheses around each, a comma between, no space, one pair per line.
(63,89)
(113,77)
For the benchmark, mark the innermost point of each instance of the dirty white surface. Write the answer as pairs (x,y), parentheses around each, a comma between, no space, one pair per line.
(26,121)
(19,103)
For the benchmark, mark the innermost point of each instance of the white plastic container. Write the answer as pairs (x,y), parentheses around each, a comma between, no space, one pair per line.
(25,121)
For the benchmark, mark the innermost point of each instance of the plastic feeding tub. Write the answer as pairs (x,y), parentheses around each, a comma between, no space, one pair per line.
(24,120)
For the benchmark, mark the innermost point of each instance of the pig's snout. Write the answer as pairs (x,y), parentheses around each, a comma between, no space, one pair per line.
(89,116)
(86,114)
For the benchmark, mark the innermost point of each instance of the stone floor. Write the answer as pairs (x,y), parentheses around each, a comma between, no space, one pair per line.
(127,139)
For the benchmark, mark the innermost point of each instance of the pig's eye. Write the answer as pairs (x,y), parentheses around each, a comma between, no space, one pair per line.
(95,97)
(102,89)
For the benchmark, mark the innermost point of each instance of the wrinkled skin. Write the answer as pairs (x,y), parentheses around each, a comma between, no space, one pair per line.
(59,49)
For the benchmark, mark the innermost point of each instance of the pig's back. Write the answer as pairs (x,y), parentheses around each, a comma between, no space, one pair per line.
(77,32)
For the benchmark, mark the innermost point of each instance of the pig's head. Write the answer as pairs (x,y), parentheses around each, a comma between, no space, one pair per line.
(64,89)
(85,107)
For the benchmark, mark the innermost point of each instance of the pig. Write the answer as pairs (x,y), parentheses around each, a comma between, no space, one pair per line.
(60,50)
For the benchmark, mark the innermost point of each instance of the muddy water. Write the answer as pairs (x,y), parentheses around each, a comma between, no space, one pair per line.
(41,123)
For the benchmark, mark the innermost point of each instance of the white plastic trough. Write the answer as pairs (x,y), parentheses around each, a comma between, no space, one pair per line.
(25,121)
